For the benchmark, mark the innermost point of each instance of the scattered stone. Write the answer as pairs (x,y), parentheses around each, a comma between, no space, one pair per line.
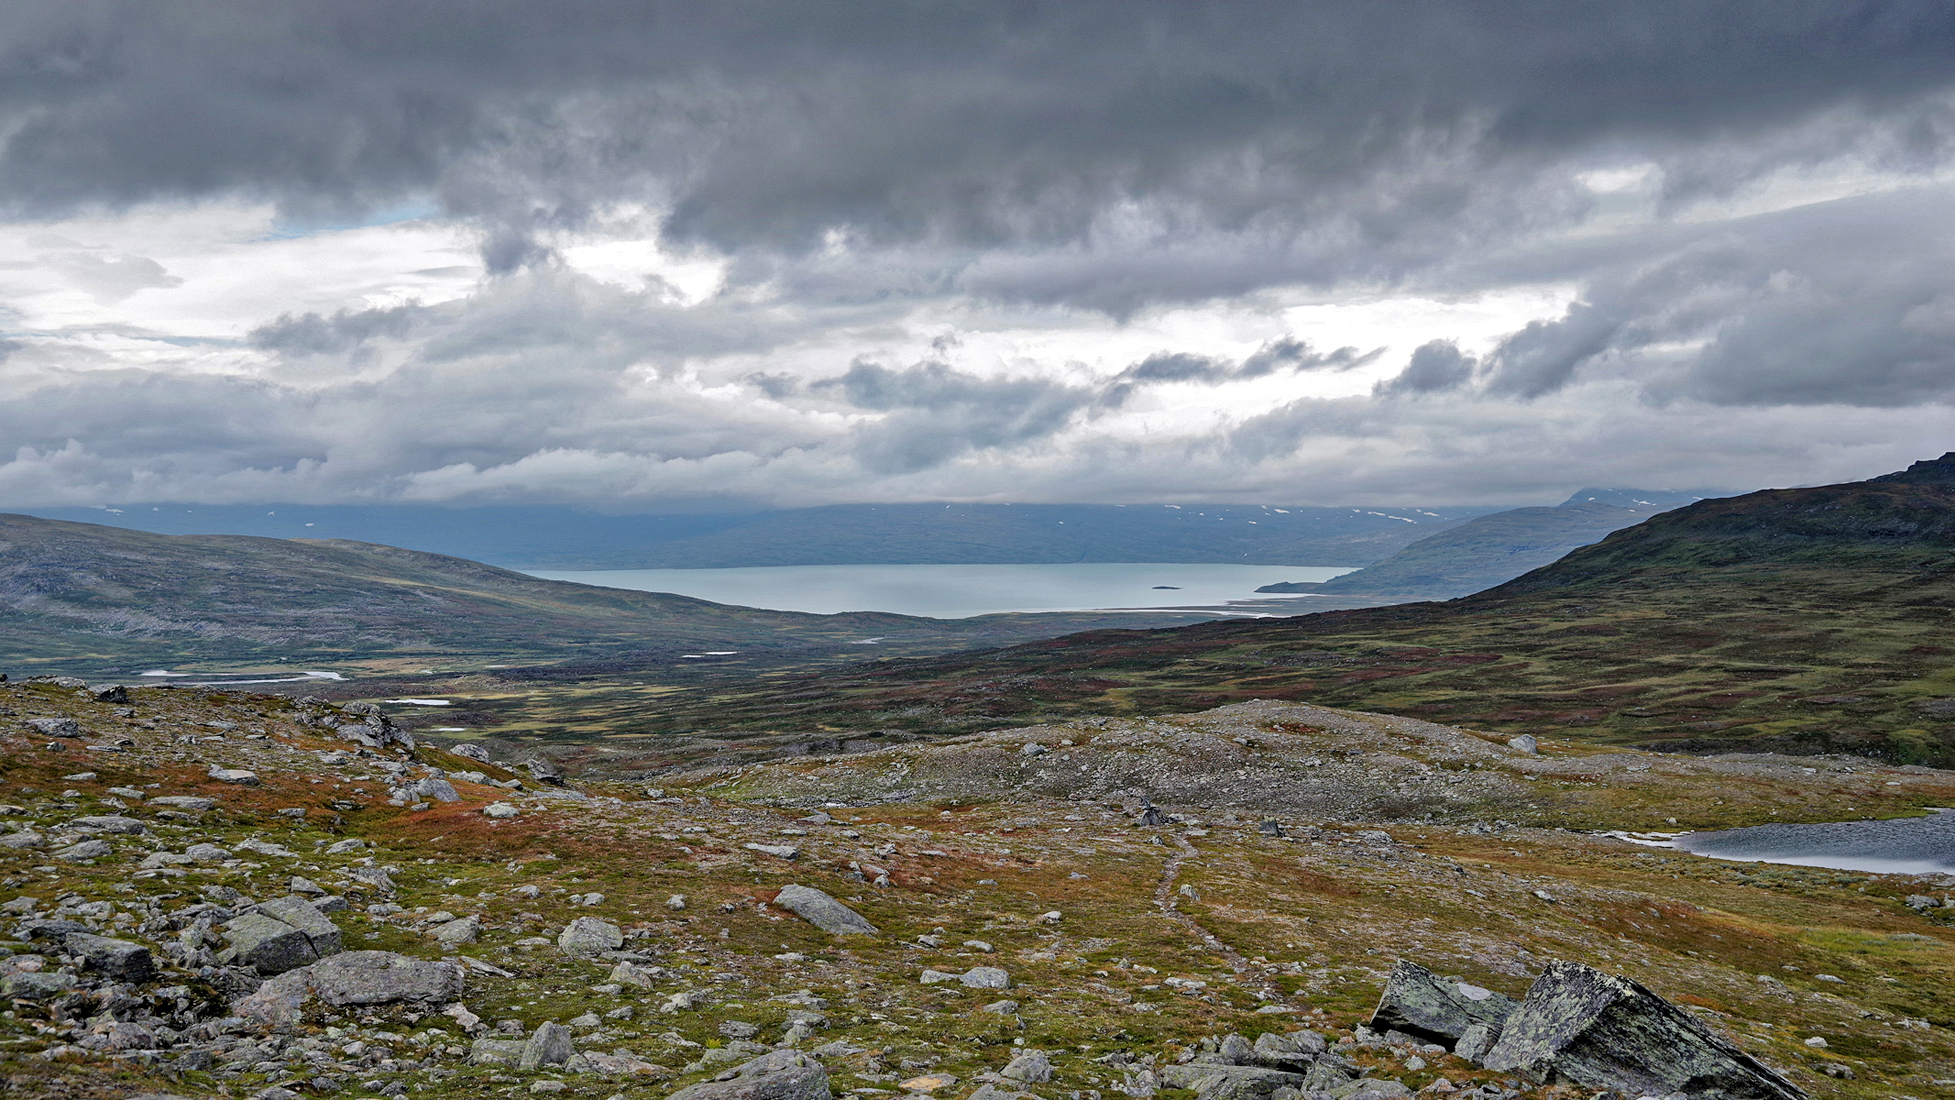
(346,847)
(676,901)
(206,853)
(822,911)
(1052,916)
(55,727)
(500,810)
(1607,1032)
(779,851)
(1525,742)
(630,973)
(190,802)
(238,776)
(1002,1008)
(456,932)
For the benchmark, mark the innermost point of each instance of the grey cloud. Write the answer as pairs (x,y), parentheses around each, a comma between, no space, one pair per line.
(1836,302)
(1336,132)
(1436,366)
(314,334)
(1287,353)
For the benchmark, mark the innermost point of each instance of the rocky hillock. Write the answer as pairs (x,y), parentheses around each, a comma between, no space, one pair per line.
(210,894)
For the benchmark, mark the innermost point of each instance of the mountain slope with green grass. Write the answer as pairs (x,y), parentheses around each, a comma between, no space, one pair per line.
(1808,620)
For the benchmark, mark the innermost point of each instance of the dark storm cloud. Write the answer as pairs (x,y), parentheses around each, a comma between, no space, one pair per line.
(1330,132)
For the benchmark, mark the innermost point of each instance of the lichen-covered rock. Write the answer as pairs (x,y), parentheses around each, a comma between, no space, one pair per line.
(352,978)
(266,944)
(823,911)
(589,935)
(1031,1068)
(780,1075)
(1218,1081)
(985,977)
(1607,1032)
(1417,1002)
(54,727)
(1371,1088)
(548,1045)
(87,849)
(1295,1050)
(119,959)
(301,914)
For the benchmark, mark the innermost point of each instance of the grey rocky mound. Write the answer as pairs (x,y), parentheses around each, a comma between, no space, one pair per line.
(780,1075)
(280,935)
(353,978)
(119,959)
(823,912)
(1419,1003)
(589,936)
(1606,1032)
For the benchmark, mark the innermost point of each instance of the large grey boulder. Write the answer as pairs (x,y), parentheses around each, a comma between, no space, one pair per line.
(781,1075)
(352,978)
(280,935)
(1215,1081)
(549,1045)
(108,823)
(306,917)
(588,936)
(55,727)
(87,849)
(1606,1032)
(1293,1051)
(119,959)
(823,911)
(1417,1002)
(1032,1068)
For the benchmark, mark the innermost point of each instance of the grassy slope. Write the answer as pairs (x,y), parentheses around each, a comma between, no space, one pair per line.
(1484,552)
(1807,619)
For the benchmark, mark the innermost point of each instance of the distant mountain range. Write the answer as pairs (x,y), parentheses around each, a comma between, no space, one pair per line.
(546,537)
(93,599)
(1493,549)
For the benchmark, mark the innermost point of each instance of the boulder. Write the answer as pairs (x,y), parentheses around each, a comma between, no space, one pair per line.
(473,752)
(985,977)
(239,776)
(438,790)
(1417,1002)
(266,944)
(1607,1032)
(460,931)
(824,912)
(306,917)
(1219,1081)
(191,802)
(108,823)
(548,1045)
(589,935)
(1031,1068)
(496,1052)
(119,959)
(500,810)
(778,851)
(37,985)
(55,727)
(206,853)
(779,1075)
(1295,1050)
(352,978)
(1371,1088)
(87,849)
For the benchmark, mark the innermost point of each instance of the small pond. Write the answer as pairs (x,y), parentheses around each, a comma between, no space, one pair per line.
(1901,846)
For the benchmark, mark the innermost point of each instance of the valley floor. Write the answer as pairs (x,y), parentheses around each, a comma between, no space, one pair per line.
(1128,947)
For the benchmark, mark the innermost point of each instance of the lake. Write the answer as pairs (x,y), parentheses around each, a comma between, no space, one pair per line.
(1902,846)
(959,591)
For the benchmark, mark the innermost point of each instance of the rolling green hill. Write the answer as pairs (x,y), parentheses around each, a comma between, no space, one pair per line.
(1809,620)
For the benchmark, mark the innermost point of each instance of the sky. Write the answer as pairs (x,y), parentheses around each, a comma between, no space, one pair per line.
(643,256)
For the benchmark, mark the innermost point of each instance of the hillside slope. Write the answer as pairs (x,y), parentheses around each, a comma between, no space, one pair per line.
(98,598)
(1484,551)
(1812,620)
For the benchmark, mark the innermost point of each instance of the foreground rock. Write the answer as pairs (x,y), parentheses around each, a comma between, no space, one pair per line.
(352,978)
(1418,1003)
(781,1075)
(824,912)
(1605,1032)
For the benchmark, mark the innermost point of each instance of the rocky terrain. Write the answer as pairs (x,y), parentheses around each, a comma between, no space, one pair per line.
(211,894)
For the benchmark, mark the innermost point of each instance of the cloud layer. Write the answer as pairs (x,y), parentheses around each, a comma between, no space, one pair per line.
(651,254)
